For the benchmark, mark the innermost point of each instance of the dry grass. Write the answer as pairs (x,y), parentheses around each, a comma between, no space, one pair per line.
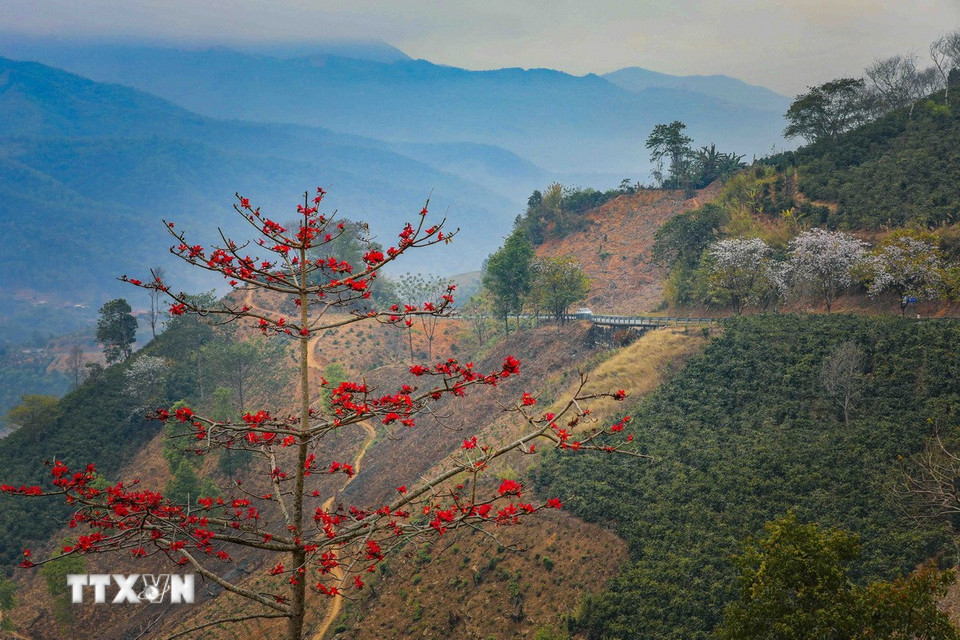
(638,368)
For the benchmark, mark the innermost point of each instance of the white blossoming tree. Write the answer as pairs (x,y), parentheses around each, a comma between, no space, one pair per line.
(778,283)
(909,264)
(824,262)
(738,271)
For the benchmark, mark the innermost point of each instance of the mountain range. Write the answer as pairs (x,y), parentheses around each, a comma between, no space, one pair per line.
(88,169)
(564,123)
(99,141)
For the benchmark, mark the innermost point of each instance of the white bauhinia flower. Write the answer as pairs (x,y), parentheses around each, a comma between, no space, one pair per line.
(738,269)
(824,261)
(910,267)
(145,377)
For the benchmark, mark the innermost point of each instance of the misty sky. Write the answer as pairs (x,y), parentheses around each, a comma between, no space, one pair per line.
(783,44)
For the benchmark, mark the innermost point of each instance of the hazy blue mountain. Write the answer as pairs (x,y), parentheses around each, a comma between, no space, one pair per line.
(88,169)
(375,50)
(721,87)
(561,122)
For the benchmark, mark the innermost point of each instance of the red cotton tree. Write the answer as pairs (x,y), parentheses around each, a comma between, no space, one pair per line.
(315,544)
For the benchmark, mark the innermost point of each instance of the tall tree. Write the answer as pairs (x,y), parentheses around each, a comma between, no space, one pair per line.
(75,362)
(899,83)
(909,264)
(242,365)
(738,270)
(557,284)
(156,301)
(795,584)
(841,375)
(945,54)
(478,312)
(146,382)
(825,261)
(116,330)
(680,243)
(668,141)
(419,289)
(827,110)
(508,275)
(349,241)
(711,164)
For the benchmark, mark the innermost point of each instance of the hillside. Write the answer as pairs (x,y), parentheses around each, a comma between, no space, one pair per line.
(559,541)
(899,170)
(615,249)
(744,433)
(740,434)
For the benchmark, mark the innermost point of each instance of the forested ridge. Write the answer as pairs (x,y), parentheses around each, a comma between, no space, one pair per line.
(902,169)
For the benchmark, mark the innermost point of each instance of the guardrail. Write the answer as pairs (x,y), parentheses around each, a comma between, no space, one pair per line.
(641,321)
(618,321)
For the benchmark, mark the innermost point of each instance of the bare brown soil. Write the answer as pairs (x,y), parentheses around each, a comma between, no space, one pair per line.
(615,249)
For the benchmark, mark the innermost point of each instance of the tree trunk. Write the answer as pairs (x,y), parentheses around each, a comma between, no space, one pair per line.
(299,556)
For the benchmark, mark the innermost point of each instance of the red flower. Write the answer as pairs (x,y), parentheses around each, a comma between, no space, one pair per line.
(510,486)
(373,257)
(510,366)
(373,550)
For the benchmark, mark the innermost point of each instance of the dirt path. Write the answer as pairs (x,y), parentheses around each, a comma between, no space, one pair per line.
(336,604)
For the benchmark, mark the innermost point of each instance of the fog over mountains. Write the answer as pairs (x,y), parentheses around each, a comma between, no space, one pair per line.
(101,140)
(563,123)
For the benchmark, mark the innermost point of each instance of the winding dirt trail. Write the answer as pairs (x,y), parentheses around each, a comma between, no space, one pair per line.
(336,603)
